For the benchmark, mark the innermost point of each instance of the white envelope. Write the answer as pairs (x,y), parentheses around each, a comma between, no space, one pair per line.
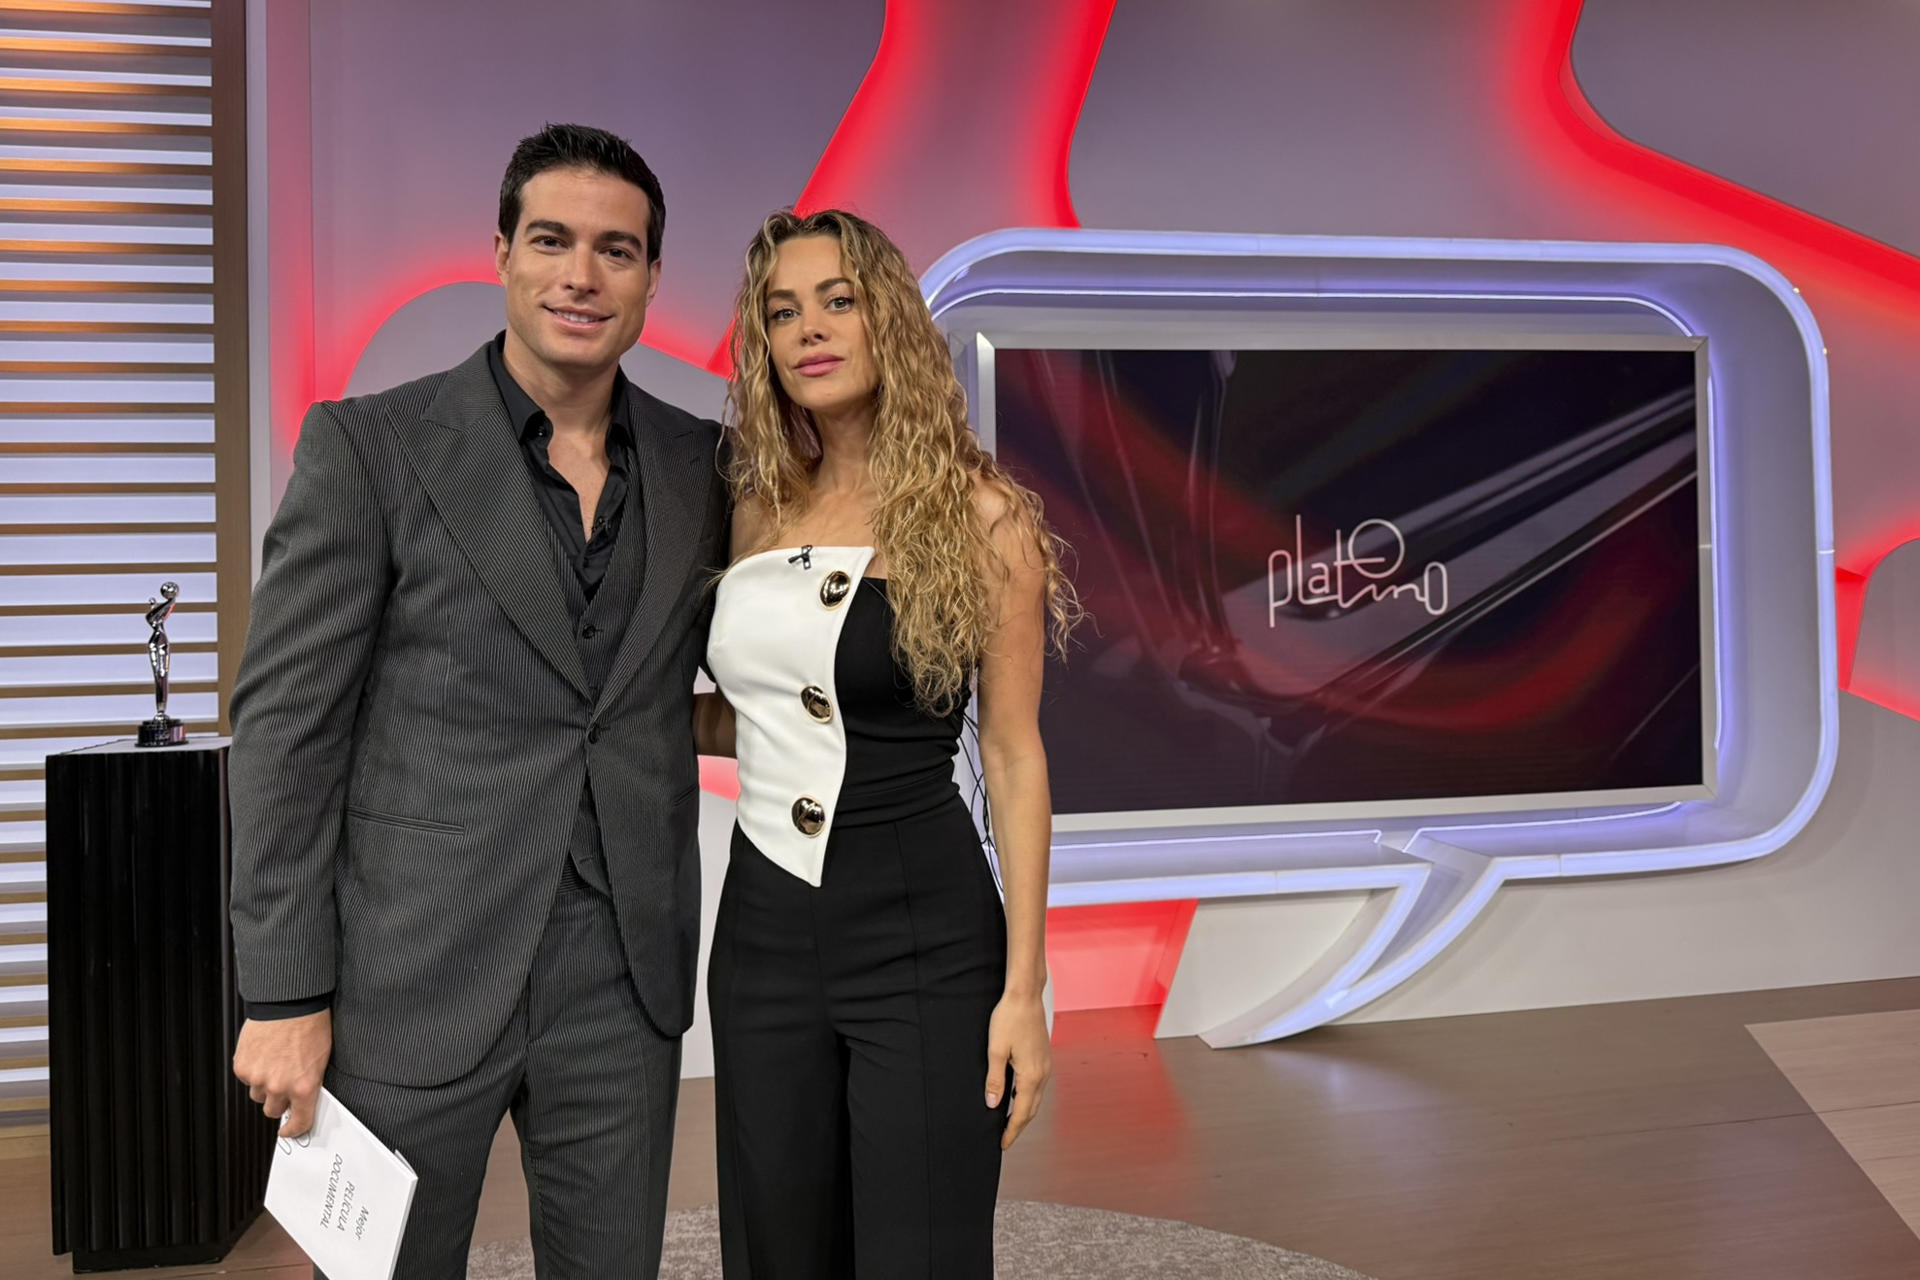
(341,1195)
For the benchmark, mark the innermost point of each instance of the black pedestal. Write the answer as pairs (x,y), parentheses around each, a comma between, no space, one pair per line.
(159,1157)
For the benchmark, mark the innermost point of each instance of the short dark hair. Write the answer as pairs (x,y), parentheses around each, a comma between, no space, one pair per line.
(580,146)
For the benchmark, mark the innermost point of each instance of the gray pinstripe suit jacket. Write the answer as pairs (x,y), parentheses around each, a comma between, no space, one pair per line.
(412,726)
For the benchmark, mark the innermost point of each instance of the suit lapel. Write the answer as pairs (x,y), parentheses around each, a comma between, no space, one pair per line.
(673,493)
(470,463)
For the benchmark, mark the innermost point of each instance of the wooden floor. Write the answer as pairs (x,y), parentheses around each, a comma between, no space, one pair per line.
(1861,1075)
(1650,1141)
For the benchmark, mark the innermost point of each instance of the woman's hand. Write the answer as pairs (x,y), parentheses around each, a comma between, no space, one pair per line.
(1017,1037)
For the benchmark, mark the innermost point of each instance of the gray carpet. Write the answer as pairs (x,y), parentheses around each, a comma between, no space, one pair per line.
(1031,1241)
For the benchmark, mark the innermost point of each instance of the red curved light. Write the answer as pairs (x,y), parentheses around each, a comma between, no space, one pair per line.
(1554,114)
(1550,95)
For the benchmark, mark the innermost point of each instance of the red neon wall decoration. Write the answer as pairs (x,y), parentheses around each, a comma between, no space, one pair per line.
(1554,115)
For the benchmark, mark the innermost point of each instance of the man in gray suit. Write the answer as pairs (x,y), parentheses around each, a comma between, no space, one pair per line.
(466,878)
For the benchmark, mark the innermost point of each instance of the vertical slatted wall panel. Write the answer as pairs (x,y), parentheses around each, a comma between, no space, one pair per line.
(107,458)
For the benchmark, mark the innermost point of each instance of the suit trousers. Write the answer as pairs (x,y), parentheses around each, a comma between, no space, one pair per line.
(592,1089)
(850,1056)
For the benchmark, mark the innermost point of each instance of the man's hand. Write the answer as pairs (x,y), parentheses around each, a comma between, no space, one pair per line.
(282,1063)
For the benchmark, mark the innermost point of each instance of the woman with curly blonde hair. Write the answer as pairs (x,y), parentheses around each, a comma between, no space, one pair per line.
(878,1031)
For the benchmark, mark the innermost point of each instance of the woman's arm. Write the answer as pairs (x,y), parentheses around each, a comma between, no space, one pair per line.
(1015,765)
(712,724)
(712,713)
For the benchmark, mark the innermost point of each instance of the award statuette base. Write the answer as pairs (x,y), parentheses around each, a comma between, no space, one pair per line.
(162,731)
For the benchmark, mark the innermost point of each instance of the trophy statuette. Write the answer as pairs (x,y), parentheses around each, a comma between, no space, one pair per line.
(163,730)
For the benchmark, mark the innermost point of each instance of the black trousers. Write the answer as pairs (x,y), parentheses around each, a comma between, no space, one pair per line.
(591,1086)
(850,1057)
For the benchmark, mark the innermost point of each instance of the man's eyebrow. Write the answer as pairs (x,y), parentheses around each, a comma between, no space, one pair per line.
(615,236)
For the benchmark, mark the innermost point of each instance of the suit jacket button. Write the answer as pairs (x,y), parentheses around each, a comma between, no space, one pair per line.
(818,705)
(593,733)
(836,588)
(809,816)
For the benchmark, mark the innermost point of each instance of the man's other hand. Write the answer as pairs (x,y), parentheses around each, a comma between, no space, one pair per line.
(283,1063)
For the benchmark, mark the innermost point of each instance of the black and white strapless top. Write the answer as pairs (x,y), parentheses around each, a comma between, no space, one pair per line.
(826,729)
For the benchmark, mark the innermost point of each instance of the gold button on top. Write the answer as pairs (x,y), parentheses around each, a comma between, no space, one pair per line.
(815,700)
(834,591)
(809,815)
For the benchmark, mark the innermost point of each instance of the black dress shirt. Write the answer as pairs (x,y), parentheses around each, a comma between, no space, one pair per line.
(586,557)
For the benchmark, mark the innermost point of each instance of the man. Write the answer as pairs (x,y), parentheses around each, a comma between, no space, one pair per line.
(466,877)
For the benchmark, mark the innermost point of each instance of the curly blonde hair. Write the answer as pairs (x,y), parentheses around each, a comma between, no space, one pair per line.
(926,461)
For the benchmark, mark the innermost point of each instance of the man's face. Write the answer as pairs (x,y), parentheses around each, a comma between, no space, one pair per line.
(576,271)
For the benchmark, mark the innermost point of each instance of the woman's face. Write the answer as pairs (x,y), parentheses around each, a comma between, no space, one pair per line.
(817,330)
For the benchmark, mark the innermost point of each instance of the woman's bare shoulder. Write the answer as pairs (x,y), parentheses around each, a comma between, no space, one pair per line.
(1007,521)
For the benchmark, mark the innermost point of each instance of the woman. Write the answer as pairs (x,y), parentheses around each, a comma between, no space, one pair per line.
(878,1032)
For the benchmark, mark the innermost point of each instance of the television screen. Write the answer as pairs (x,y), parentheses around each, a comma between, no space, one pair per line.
(1409,579)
